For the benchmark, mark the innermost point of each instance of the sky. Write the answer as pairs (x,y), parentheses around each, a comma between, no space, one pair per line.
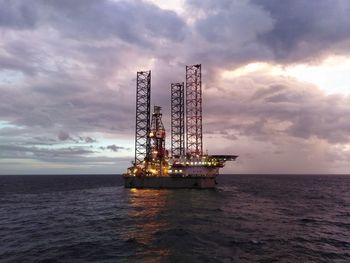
(276,81)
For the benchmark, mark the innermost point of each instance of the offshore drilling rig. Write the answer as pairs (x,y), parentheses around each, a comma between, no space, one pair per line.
(186,166)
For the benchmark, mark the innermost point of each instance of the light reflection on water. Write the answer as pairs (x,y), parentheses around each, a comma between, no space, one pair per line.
(163,223)
(145,209)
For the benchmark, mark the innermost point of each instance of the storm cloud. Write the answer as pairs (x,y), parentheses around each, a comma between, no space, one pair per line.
(272,30)
(306,29)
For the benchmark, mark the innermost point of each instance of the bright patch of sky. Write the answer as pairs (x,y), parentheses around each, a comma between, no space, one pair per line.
(175,5)
(331,75)
(6,124)
(10,76)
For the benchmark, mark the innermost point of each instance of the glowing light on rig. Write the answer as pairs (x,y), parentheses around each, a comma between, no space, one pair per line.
(153,171)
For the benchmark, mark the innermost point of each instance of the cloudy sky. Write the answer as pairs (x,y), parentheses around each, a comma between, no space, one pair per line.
(276,80)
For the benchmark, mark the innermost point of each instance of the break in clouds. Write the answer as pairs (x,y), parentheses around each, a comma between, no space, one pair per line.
(67,81)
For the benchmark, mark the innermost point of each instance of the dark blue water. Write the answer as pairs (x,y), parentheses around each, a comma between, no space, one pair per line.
(248,218)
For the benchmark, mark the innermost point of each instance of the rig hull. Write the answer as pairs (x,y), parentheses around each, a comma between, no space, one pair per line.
(197,182)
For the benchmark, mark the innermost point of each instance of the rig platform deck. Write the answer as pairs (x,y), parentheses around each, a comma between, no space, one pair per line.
(204,182)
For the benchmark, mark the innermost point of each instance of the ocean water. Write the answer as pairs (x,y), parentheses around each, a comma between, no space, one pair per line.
(248,218)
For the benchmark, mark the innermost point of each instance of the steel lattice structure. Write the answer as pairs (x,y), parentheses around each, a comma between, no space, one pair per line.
(143,106)
(194,137)
(177,119)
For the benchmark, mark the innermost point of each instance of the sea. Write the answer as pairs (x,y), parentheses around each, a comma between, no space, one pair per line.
(247,218)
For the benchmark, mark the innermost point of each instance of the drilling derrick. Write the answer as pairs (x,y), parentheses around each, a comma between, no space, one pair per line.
(143,104)
(177,120)
(158,154)
(194,145)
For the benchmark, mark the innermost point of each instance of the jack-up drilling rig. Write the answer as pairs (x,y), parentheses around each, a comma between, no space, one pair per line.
(185,167)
